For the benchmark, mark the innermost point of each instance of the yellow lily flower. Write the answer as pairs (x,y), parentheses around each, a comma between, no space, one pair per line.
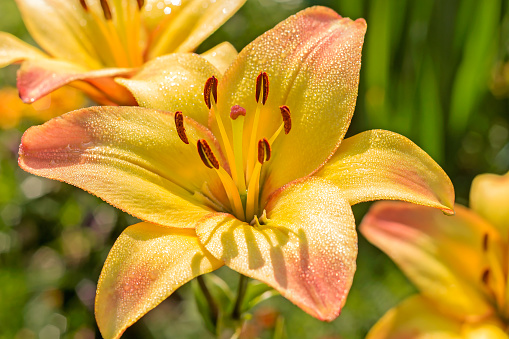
(252,172)
(459,264)
(89,43)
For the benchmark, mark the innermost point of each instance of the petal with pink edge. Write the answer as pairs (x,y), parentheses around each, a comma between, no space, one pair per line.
(173,82)
(416,318)
(40,77)
(131,157)
(489,196)
(380,164)
(444,256)
(146,264)
(187,25)
(306,250)
(313,61)
(14,50)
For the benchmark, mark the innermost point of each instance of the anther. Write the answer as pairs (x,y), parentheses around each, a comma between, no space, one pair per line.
(264,150)
(236,111)
(262,87)
(83,4)
(287,118)
(206,155)
(181,130)
(485,276)
(140,4)
(210,88)
(106,9)
(485,242)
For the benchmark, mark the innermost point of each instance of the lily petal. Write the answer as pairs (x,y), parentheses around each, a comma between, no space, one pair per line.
(489,196)
(146,264)
(125,155)
(380,164)
(221,56)
(38,78)
(485,330)
(56,26)
(306,250)
(14,50)
(313,61)
(445,257)
(187,25)
(173,82)
(415,318)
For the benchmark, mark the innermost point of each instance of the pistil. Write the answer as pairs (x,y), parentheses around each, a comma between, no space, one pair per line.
(237,114)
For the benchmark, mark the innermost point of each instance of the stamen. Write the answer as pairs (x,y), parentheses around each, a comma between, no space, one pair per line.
(485,242)
(237,114)
(140,4)
(262,87)
(106,9)
(181,130)
(210,88)
(287,119)
(236,111)
(264,151)
(83,4)
(485,276)
(206,154)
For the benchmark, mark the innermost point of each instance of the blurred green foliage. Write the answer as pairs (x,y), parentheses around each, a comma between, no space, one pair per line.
(434,71)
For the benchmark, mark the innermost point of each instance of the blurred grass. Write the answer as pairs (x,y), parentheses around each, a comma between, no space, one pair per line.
(434,71)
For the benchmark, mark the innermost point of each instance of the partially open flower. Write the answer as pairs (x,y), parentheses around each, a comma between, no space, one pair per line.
(88,43)
(248,170)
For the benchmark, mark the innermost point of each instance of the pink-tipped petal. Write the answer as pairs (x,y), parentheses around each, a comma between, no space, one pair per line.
(384,165)
(146,265)
(131,157)
(306,250)
(446,257)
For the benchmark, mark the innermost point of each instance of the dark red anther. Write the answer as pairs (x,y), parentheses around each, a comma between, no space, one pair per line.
(264,150)
(206,154)
(262,87)
(210,88)
(140,4)
(181,130)
(106,9)
(287,118)
(83,4)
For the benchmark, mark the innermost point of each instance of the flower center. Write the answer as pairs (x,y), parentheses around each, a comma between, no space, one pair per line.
(118,26)
(242,183)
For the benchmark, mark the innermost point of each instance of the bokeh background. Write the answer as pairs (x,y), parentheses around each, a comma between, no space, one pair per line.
(435,71)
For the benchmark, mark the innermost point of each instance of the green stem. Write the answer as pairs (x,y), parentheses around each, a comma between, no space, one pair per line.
(210,300)
(237,312)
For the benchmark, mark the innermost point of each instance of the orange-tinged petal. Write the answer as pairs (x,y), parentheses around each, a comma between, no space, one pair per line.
(485,330)
(131,157)
(146,264)
(173,82)
(489,196)
(416,318)
(221,56)
(37,78)
(444,256)
(313,61)
(187,24)
(14,50)
(306,250)
(56,25)
(380,164)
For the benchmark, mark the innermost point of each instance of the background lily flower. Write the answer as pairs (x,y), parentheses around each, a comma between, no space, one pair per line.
(90,42)
(249,170)
(459,264)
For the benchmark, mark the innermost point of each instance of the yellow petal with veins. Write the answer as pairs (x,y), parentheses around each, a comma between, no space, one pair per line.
(146,265)
(173,82)
(380,164)
(444,256)
(489,196)
(56,26)
(14,50)
(306,249)
(131,157)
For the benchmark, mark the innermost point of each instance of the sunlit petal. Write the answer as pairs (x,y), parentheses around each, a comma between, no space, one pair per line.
(146,265)
(486,330)
(221,56)
(14,50)
(306,250)
(489,197)
(40,77)
(380,164)
(444,256)
(131,157)
(173,82)
(416,318)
